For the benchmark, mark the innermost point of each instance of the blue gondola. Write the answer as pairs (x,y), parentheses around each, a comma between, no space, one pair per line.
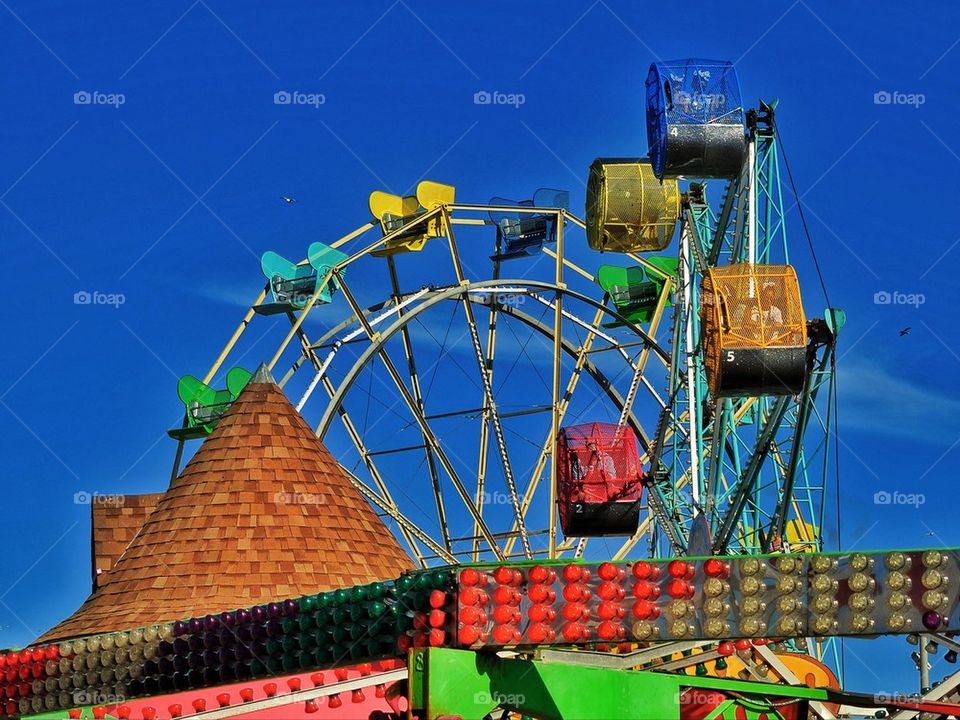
(525,234)
(695,119)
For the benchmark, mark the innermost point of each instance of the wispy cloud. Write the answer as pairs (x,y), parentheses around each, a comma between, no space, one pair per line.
(874,398)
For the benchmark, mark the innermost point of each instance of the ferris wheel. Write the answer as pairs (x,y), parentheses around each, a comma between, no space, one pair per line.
(512,379)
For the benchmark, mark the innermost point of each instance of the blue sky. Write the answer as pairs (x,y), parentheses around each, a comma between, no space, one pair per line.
(170,197)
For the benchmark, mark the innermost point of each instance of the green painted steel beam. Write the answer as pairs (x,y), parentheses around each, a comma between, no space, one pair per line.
(458,683)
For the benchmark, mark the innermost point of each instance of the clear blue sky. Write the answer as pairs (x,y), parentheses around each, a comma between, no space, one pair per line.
(170,197)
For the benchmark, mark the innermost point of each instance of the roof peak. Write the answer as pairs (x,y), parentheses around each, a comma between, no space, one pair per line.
(263,376)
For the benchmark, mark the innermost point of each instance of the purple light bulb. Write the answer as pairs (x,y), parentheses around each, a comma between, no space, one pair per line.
(931,619)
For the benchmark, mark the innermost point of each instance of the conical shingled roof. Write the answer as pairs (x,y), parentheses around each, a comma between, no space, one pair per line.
(261,512)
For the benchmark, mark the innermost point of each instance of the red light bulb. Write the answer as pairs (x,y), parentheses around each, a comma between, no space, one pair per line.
(270,689)
(341,674)
(572,573)
(148,712)
(468,635)
(503,575)
(541,613)
(573,632)
(199,705)
(437,638)
(469,577)
(609,611)
(502,634)
(471,615)
(644,609)
(175,710)
(223,699)
(246,694)
(541,593)
(742,644)
(677,588)
(100,712)
(610,591)
(505,596)
(358,696)
(294,684)
(317,679)
(609,571)
(716,568)
(539,633)
(380,690)
(335,701)
(538,574)
(726,649)
(438,598)
(503,614)
(610,631)
(123,712)
(74,713)
(310,706)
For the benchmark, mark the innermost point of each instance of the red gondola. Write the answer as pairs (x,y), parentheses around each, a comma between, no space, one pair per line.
(599,480)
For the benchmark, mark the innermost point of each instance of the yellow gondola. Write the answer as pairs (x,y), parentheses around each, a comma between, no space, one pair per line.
(395,212)
(754,331)
(628,209)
